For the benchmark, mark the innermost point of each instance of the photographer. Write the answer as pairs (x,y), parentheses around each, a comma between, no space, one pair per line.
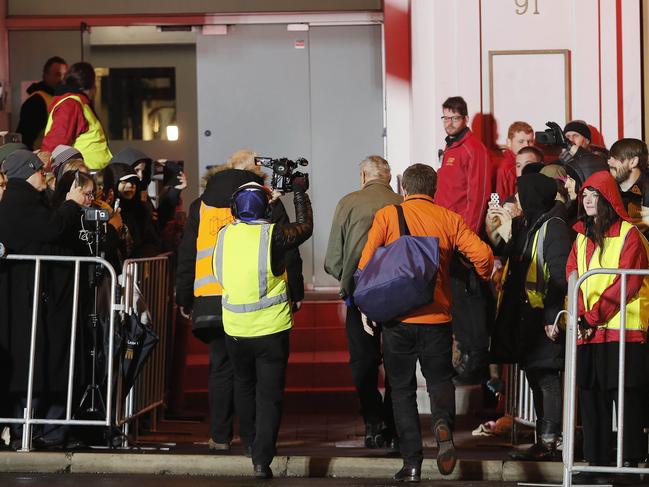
(28,225)
(256,308)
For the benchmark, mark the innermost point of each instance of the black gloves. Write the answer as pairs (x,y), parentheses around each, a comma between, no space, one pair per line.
(300,183)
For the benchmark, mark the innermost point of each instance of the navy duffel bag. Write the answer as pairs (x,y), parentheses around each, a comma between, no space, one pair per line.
(399,278)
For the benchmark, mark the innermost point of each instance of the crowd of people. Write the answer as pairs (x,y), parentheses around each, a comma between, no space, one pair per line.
(51,187)
(510,230)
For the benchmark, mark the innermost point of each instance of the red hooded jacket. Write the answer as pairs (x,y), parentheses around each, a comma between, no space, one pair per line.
(633,256)
(465,180)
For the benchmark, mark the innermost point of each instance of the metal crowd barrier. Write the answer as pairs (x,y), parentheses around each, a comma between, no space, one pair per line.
(519,399)
(570,387)
(28,419)
(147,282)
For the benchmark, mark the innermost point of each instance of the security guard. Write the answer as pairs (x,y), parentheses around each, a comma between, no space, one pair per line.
(72,119)
(250,266)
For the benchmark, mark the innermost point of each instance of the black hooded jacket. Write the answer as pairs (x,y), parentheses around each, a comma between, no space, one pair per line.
(218,193)
(519,334)
(33,114)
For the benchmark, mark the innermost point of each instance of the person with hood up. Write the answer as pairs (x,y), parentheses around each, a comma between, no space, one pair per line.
(580,168)
(199,296)
(33,112)
(138,233)
(606,239)
(169,197)
(72,119)
(536,247)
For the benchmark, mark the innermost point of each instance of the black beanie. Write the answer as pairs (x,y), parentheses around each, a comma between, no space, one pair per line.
(579,127)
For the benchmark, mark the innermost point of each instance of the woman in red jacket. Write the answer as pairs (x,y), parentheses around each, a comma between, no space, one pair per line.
(606,239)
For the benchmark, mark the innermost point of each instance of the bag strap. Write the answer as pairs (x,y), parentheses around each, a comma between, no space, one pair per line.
(403,226)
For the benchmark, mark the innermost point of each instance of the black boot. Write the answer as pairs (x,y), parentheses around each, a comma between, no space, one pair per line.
(374,435)
(533,452)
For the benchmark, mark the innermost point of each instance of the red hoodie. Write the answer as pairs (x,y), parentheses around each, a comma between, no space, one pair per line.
(633,256)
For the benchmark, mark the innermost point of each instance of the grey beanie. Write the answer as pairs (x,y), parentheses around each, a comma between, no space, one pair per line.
(21,164)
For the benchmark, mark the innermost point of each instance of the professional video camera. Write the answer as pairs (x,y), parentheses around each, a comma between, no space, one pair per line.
(553,135)
(283,174)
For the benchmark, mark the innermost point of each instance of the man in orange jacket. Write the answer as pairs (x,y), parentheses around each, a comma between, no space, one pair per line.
(425,334)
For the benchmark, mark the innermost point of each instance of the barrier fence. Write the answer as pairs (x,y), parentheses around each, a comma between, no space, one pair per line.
(146,292)
(28,420)
(148,289)
(570,387)
(519,401)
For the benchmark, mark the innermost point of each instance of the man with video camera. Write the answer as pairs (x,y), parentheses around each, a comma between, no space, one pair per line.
(256,307)
(28,225)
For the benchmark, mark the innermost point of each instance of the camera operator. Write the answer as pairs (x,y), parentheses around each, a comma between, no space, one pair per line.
(256,307)
(199,296)
(28,225)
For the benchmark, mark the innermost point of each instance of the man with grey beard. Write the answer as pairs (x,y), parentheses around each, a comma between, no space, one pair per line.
(628,165)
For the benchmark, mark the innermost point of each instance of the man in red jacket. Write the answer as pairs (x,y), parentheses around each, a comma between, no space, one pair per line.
(464,185)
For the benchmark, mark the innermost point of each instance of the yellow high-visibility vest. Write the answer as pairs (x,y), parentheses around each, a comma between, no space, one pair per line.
(92,143)
(637,308)
(538,276)
(211,220)
(255,301)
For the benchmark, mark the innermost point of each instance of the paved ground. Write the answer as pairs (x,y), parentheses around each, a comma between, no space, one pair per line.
(75,480)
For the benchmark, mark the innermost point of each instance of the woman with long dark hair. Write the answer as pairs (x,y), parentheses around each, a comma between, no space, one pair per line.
(606,239)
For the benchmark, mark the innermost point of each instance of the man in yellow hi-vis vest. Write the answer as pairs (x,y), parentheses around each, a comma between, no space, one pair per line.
(33,112)
(198,295)
(257,310)
(73,121)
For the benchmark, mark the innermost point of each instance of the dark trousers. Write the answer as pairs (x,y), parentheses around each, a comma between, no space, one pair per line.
(470,310)
(259,378)
(403,345)
(364,360)
(220,390)
(597,417)
(546,388)
(47,407)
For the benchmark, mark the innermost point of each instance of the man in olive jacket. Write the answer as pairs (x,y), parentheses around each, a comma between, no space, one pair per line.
(351,223)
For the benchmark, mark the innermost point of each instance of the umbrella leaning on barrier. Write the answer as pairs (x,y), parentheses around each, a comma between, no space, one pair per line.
(139,341)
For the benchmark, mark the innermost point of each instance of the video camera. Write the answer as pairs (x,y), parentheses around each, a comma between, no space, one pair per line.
(553,135)
(283,174)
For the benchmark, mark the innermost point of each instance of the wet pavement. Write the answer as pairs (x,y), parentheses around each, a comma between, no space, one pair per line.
(76,480)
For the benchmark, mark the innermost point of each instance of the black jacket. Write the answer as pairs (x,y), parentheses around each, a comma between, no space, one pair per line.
(29,226)
(218,192)
(33,114)
(519,332)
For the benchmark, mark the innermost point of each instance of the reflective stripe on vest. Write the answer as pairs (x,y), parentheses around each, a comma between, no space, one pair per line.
(255,301)
(210,220)
(47,98)
(637,308)
(92,143)
(535,287)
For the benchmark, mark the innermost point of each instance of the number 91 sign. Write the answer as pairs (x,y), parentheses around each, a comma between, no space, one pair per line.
(522,6)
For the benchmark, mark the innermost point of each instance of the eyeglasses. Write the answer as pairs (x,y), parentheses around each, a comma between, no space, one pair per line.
(89,194)
(454,118)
